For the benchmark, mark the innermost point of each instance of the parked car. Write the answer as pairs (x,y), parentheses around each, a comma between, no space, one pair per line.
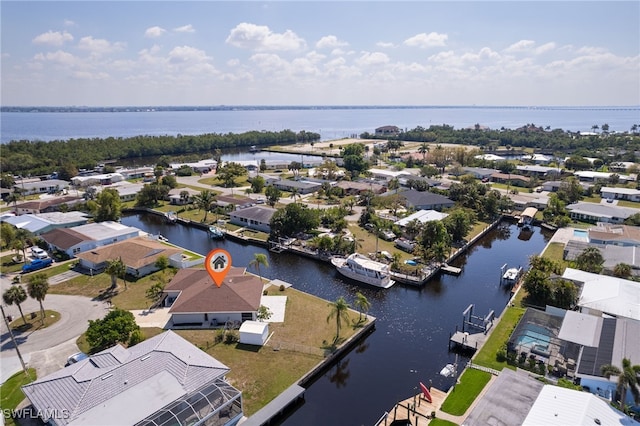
(78,356)
(38,253)
(36,265)
(388,235)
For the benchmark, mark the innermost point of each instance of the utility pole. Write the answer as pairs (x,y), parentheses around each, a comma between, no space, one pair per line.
(24,367)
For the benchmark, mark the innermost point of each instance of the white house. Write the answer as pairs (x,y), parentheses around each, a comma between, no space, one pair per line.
(42,223)
(88,237)
(257,217)
(422,216)
(102,179)
(254,333)
(611,193)
(595,212)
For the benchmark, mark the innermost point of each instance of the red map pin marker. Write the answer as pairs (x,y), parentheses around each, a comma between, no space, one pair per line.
(218,264)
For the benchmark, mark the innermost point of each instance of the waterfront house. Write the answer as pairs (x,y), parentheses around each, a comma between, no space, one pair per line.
(88,237)
(127,191)
(612,255)
(257,217)
(591,176)
(595,212)
(619,235)
(536,158)
(424,200)
(176,198)
(478,172)
(137,173)
(162,379)
(42,223)
(611,193)
(387,175)
(202,166)
(196,301)
(138,254)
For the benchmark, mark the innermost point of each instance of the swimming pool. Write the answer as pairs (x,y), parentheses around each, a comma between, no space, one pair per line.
(533,334)
(580,233)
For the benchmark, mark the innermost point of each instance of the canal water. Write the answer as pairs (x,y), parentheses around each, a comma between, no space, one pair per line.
(410,342)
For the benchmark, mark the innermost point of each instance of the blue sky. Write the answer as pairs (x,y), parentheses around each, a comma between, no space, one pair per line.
(143,53)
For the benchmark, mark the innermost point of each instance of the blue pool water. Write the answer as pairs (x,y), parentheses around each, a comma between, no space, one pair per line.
(580,233)
(534,335)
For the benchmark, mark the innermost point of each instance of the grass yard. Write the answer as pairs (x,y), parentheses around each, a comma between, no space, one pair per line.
(486,356)
(34,321)
(11,395)
(441,422)
(97,287)
(297,345)
(463,394)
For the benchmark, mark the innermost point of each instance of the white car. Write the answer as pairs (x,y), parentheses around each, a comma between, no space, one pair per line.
(38,253)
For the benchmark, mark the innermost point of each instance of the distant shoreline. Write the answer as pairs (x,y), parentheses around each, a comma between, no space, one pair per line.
(191,108)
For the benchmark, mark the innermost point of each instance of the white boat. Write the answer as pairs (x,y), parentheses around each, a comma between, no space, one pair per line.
(448,370)
(360,268)
(215,232)
(511,275)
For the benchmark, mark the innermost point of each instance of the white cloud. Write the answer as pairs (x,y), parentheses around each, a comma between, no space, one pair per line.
(185,29)
(87,75)
(330,41)
(154,32)
(547,47)
(261,38)
(520,46)
(59,57)
(187,54)
(69,23)
(98,46)
(372,58)
(53,38)
(385,44)
(424,40)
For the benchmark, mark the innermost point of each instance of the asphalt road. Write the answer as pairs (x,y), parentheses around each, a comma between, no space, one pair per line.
(46,350)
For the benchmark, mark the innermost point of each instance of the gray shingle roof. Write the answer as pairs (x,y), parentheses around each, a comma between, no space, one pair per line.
(98,379)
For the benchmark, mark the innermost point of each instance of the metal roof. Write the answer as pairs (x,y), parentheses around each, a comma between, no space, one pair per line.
(125,382)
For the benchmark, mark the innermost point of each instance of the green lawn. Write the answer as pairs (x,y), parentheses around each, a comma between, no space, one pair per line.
(463,394)
(486,356)
(10,393)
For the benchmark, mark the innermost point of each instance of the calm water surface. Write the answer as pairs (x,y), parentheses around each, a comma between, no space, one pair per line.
(410,342)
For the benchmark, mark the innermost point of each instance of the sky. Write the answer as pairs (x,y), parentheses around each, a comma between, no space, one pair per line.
(493,53)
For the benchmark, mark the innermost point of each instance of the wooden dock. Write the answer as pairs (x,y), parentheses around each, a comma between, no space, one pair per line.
(415,409)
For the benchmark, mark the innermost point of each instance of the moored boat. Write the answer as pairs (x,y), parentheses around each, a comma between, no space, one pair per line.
(360,268)
(215,232)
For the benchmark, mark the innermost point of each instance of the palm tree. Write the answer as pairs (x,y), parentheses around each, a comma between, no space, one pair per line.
(295,194)
(116,268)
(424,149)
(203,201)
(627,380)
(622,270)
(362,304)
(590,260)
(37,288)
(259,259)
(184,197)
(15,295)
(339,310)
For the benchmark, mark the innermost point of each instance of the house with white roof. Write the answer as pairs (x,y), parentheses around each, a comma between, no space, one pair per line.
(202,166)
(539,171)
(537,158)
(558,406)
(603,294)
(422,216)
(41,186)
(612,193)
(384,174)
(591,176)
(88,237)
(41,223)
(162,380)
(99,179)
(490,157)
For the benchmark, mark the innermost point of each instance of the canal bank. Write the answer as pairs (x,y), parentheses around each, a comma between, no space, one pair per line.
(412,327)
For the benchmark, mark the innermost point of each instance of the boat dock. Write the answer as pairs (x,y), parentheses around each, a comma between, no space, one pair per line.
(467,341)
(450,269)
(416,409)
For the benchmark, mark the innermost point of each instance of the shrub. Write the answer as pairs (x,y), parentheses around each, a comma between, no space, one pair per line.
(501,355)
(231,337)
(281,287)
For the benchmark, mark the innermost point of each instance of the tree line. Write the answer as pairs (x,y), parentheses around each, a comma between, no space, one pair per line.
(39,158)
